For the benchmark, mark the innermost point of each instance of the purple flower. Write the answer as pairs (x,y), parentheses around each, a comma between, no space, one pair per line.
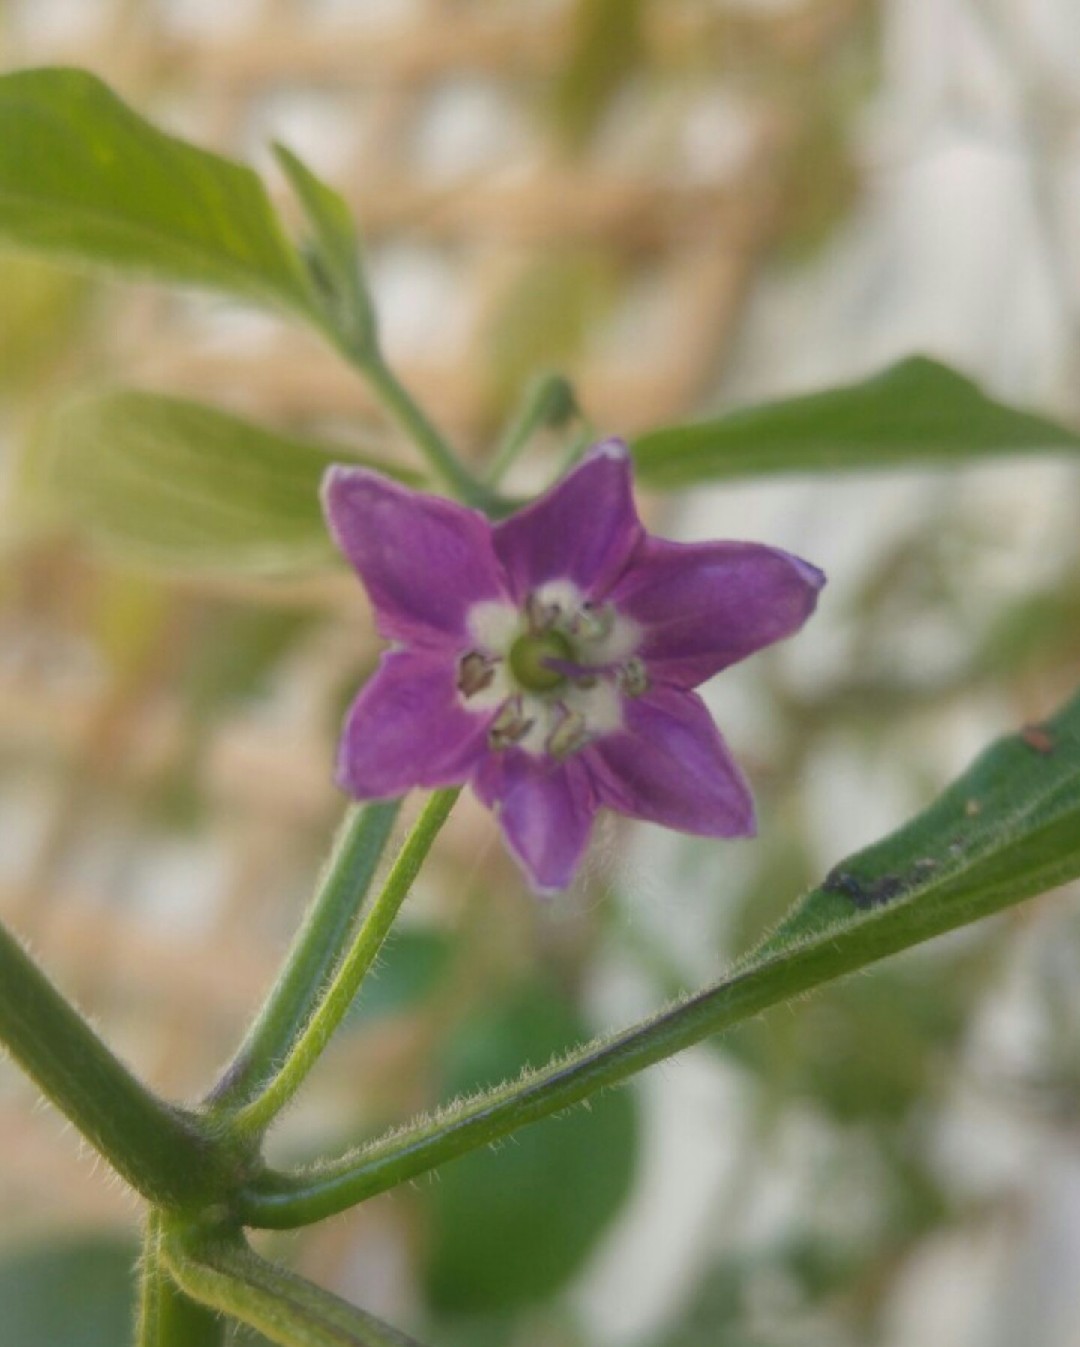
(549,659)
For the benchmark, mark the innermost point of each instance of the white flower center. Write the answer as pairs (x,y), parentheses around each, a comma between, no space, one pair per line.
(556,672)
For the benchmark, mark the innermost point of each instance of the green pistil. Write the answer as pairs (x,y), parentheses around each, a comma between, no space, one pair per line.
(528,660)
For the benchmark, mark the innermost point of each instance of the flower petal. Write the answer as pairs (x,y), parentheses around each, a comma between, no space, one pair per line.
(408,728)
(584,529)
(703,606)
(668,764)
(424,560)
(546,810)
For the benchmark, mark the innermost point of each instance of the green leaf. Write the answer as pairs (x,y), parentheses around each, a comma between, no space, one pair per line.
(917,411)
(334,254)
(510,1227)
(79,1293)
(1006,829)
(162,480)
(83,176)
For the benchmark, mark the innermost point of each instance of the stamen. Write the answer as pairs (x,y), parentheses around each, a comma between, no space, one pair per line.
(475,673)
(541,616)
(570,734)
(510,726)
(633,678)
(590,623)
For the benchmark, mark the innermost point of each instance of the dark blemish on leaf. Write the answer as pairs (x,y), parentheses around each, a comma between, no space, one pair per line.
(865,895)
(840,881)
(1038,738)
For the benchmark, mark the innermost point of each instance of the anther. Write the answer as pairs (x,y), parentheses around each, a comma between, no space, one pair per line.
(475,673)
(541,616)
(510,726)
(592,624)
(570,734)
(633,678)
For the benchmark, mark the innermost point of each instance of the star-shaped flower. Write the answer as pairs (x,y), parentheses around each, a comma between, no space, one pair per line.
(549,659)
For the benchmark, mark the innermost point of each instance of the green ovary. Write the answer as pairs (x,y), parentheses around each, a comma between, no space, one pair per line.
(528,656)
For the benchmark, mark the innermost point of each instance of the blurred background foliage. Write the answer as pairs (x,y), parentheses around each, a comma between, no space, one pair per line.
(683,205)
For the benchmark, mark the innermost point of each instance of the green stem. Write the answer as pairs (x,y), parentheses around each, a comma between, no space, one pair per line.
(253,1118)
(279,1200)
(222,1272)
(336,300)
(548,402)
(168,1317)
(315,953)
(400,403)
(160,1150)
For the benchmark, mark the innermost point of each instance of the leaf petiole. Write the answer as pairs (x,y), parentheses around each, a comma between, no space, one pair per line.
(315,952)
(254,1117)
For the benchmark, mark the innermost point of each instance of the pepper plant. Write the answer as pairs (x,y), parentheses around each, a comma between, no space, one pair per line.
(544,652)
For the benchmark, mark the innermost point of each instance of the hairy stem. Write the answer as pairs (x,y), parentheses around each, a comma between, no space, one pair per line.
(315,953)
(168,1317)
(222,1272)
(290,1200)
(253,1118)
(160,1150)
(401,405)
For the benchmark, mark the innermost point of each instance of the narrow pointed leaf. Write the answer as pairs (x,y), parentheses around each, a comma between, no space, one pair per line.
(325,208)
(915,412)
(333,253)
(1006,829)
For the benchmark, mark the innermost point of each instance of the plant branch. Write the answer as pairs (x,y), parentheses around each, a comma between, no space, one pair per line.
(222,1272)
(315,953)
(162,1151)
(254,1117)
(168,1317)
